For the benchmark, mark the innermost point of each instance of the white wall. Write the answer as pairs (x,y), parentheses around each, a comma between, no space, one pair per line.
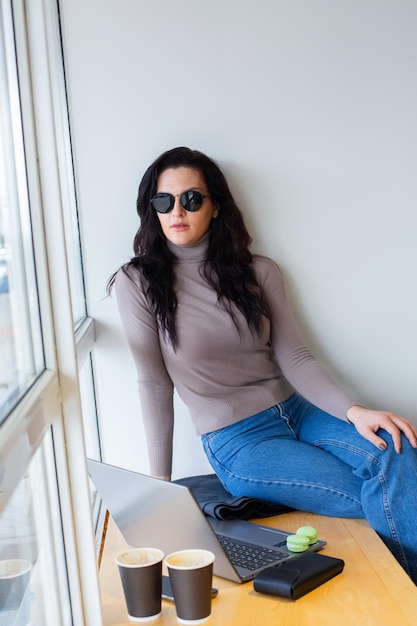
(310,108)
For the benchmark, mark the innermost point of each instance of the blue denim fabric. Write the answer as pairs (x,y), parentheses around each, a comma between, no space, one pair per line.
(298,455)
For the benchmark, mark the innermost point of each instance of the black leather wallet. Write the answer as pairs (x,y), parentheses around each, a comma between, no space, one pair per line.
(298,576)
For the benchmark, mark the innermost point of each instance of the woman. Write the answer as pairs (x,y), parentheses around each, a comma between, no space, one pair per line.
(204,315)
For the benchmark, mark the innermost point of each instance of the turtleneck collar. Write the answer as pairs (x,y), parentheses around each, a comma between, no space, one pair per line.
(195,252)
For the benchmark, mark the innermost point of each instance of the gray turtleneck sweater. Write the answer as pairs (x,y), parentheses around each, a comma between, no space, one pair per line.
(223,376)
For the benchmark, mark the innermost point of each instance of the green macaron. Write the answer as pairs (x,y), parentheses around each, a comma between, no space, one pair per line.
(310,532)
(298,543)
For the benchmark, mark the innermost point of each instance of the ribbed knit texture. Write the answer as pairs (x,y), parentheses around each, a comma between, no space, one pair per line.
(222,376)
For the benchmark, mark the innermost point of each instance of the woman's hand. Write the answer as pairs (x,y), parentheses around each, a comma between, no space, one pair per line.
(368,422)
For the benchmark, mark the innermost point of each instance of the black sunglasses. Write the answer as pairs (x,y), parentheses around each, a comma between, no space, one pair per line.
(191,200)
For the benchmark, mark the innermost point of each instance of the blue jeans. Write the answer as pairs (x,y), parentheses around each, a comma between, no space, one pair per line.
(297,455)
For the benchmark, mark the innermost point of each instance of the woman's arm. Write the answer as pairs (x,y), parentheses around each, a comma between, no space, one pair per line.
(154,385)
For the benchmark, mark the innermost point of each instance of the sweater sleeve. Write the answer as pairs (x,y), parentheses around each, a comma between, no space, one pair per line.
(297,363)
(154,384)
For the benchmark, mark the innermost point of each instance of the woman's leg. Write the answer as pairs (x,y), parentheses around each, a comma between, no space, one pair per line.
(388,494)
(297,455)
(261,457)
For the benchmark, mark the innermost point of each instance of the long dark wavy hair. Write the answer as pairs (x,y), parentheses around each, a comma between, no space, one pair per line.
(227,267)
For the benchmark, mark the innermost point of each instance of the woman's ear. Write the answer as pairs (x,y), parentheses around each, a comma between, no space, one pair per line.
(216,211)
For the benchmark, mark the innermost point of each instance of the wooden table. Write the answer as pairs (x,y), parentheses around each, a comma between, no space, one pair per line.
(373,590)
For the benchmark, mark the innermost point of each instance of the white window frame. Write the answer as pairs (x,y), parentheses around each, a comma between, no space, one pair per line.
(53,401)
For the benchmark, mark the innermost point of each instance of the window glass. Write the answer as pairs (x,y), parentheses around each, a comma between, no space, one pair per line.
(88,402)
(69,198)
(75,267)
(21,352)
(33,584)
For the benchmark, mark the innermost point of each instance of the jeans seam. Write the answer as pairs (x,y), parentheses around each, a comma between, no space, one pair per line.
(312,486)
(338,444)
(286,417)
(391,525)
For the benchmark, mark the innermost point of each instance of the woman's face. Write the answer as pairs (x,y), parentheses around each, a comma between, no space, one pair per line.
(180,226)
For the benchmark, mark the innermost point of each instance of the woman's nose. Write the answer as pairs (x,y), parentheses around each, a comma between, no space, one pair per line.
(178,209)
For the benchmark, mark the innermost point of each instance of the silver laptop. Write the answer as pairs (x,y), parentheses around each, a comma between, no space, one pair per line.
(164,515)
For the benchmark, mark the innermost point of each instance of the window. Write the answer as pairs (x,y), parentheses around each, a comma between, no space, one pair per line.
(46,529)
(31,540)
(21,350)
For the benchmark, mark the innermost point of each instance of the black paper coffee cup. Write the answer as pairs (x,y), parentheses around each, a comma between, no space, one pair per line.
(191,575)
(141,575)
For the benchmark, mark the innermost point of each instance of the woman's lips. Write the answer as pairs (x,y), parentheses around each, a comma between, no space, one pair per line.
(179,227)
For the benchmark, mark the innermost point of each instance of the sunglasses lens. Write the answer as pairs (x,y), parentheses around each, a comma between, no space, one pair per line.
(192,200)
(163,202)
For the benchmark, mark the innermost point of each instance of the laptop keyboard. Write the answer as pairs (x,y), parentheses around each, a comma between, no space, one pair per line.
(249,555)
